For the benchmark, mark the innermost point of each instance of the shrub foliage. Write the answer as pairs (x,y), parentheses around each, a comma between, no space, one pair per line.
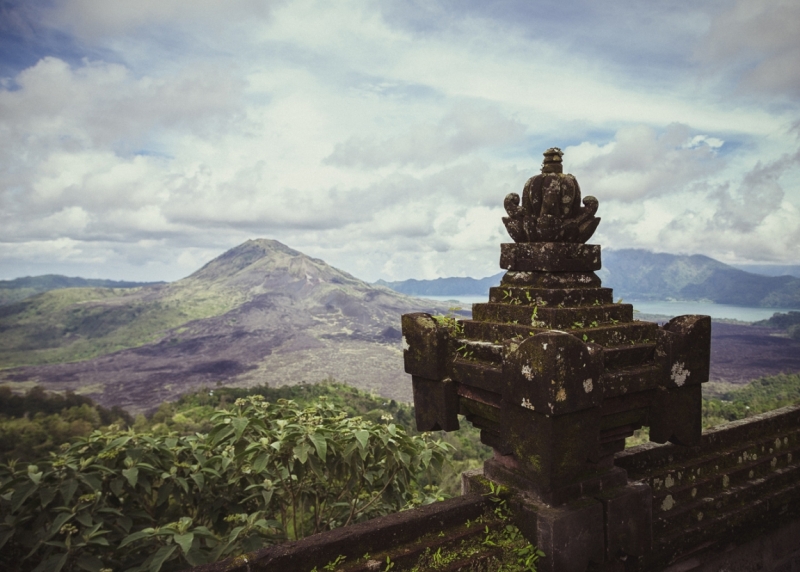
(266,472)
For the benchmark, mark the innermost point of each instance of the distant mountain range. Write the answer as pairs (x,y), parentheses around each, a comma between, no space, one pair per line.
(444,286)
(261,312)
(771,269)
(20,288)
(643,275)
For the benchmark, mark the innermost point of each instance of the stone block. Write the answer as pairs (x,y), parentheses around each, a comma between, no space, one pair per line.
(550,257)
(425,346)
(676,415)
(571,536)
(436,404)
(551,280)
(553,373)
(628,519)
(528,296)
(687,350)
(549,453)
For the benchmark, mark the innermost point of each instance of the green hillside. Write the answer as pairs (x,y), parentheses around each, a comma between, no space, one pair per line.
(20,288)
(80,323)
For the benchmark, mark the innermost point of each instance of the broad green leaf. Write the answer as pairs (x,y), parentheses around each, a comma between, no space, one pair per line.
(320,444)
(239,425)
(163,553)
(68,490)
(132,475)
(117,487)
(58,522)
(362,436)
(301,452)
(199,479)
(202,531)
(46,495)
(184,541)
(20,495)
(260,463)
(136,536)
(53,564)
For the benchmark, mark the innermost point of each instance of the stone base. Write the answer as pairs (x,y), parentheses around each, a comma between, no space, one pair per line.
(604,530)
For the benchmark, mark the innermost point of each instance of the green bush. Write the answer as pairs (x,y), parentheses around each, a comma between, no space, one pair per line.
(758,396)
(34,424)
(266,472)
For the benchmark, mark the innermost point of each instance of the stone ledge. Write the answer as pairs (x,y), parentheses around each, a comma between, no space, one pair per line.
(373,536)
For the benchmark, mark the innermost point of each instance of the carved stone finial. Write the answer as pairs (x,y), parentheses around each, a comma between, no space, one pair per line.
(552,161)
(551,208)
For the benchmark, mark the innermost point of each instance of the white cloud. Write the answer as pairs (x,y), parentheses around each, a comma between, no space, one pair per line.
(384,141)
(643,162)
(757,43)
(458,133)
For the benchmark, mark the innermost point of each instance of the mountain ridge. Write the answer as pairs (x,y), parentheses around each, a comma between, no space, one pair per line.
(20,288)
(638,274)
(259,312)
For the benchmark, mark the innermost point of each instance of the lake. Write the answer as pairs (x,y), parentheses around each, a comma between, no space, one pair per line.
(665,308)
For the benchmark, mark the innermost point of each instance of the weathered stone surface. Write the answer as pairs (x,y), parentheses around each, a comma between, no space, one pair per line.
(676,415)
(551,208)
(436,404)
(628,356)
(582,318)
(633,379)
(425,346)
(690,349)
(386,533)
(550,257)
(549,452)
(551,280)
(741,480)
(571,535)
(553,373)
(628,521)
(530,296)
(478,375)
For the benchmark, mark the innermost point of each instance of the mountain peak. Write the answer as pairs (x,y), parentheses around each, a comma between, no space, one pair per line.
(240,257)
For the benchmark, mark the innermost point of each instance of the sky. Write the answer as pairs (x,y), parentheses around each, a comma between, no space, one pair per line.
(138,140)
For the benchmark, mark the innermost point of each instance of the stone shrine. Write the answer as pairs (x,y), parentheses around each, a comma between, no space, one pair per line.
(556,376)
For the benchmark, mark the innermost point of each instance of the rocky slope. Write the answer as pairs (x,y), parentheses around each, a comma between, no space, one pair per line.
(258,313)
